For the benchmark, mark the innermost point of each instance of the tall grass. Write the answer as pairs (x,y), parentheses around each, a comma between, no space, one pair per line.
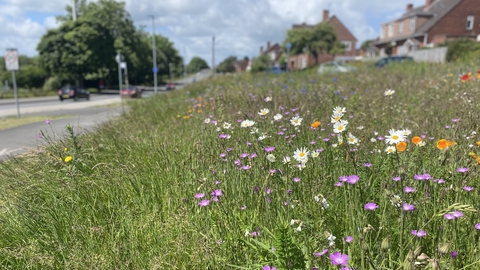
(130,196)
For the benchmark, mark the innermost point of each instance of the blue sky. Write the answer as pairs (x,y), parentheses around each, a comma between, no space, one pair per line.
(240,26)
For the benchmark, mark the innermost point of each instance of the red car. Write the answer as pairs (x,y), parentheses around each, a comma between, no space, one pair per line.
(131,92)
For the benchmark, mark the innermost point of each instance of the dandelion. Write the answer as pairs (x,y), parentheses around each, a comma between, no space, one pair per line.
(68,158)
(390,149)
(389,92)
(204,203)
(277,117)
(395,136)
(271,157)
(419,234)
(296,121)
(264,111)
(301,155)
(340,126)
(338,258)
(371,206)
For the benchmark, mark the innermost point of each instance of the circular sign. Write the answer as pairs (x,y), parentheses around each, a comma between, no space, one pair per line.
(11,60)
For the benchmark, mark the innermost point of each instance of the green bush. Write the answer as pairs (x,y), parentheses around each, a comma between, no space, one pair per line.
(462,49)
(52,83)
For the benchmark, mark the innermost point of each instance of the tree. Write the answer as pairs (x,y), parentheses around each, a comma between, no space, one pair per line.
(319,39)
(196,64)
(366,44)
(261,63)
(227,64)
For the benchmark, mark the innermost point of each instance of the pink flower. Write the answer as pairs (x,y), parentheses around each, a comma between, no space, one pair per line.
(419,234)
(204,203)
(296,179)
(468,189)
(408,207)
(338,258)
(371,206)
(199,195)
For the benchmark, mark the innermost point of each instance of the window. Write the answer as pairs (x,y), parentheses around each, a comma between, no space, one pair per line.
(348,45)
(400,27)
(412,24)
(470,19)
(390,30)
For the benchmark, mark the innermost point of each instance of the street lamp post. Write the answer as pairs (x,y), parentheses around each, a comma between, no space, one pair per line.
(154,50)
(119,59)
(289,45)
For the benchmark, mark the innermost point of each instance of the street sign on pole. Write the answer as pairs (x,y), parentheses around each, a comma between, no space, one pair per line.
(288,45)
(155,70)
(118,58)
(11,60)
(11,64)
(123,65)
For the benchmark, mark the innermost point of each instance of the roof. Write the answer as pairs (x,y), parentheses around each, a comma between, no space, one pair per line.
(274,47)
(436,11)
(328,21)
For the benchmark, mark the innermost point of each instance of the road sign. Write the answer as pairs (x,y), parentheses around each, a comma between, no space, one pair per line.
(288,45)
(123,65)
(155,70)
(11,60)
(119,58)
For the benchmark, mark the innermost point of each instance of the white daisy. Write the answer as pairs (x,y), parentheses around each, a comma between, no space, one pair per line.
(296,121)
(247,123)
(407,132)
(335,118)
(263,137)
(325,204)
(267,99)
(360,127)
(254,130)
(264,111)
(218,129)
(390,149)
(373,140)
(277,117)
(286,160)
(301,154)
(206,121)
(395,136)
(227,125)
(315,154)
(340,126)
(389,92)
(339,110)
(271,157)
(352,139)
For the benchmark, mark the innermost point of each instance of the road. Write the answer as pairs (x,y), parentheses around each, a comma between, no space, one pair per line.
(86,116)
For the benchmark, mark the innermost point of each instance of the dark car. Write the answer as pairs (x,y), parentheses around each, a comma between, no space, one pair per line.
(73,92)
(131,92)
(393,59)
(170,86)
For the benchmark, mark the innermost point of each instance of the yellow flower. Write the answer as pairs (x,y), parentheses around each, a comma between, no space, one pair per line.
(478,143)
(68,158)
(65,149)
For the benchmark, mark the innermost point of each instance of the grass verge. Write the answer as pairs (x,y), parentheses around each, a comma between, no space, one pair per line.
(13,121)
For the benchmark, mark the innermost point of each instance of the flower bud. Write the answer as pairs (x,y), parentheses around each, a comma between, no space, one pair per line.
(417,252)
(386,245)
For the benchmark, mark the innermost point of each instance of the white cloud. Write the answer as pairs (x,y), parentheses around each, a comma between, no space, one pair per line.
(240,26)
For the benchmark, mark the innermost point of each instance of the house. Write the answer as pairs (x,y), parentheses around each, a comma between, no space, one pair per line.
(429,25)
(305,60)
(274,52)
(241,65)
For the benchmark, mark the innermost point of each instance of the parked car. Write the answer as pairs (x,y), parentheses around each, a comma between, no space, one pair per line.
(131,92)
(73,92)
(334,67)
(392,59)
(170,86)
(275,70)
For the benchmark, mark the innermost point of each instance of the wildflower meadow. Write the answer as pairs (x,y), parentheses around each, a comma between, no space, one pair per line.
(376,169)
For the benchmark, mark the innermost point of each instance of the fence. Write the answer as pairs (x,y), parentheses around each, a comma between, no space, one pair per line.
(435,55)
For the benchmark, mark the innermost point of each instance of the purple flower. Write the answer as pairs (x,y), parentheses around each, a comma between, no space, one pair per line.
(199,195)
(455,120)
(268,191)
(313,142)
(269,149)
(371,206)
(418,177)
(253,155)
(457,214)
(408,190)
(326,139)
(280,133)
(449,216)
(249,143)
(477,226)
(339,184)
(267,267)
(244,155)
(222,155)
(204,203)
(468,188)
(408,207)
(229,149)
(349,239)
(296,179)
(343,178)
(215,199)
(319,150)
(339,259)
(223,136)
(419,234)
(352,179)
(454,254)
(272,171)
(237,162)
(397,178)
(243,207)
(47,121)
(367,165)
(319,254)
(246,167)
(217,193)
(463,170)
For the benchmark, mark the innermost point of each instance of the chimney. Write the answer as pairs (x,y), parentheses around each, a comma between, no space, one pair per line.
(261,49)
(268,45)
(410,7)
(428,3)
(325,15)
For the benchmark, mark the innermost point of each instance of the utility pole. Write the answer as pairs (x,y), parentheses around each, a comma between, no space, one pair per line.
(213,56)
(171,74)
(119,59)
(184,61)
(74,10)
(154,50)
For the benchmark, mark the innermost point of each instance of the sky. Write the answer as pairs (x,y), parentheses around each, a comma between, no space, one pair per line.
(240,26)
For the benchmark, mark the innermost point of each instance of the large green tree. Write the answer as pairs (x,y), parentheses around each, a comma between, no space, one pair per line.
(196,64)
(319,39)
(227,64)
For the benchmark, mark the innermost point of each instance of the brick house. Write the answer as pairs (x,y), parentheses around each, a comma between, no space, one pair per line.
(305,60)
(429,25)
(241,65)
(274,52)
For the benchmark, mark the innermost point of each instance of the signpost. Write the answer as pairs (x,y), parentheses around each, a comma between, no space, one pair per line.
(288,45)
(11,64)
(119,59)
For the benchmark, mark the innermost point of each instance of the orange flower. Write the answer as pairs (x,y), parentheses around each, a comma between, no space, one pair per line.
(442,144)
(478,74)
(315,124)
(450,143)
(416,140)
(478,143)
(401,146)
